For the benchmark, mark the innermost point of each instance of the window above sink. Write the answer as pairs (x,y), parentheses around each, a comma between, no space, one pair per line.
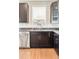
(38,15)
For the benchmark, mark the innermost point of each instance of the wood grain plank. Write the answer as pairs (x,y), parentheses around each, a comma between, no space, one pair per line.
(38,53)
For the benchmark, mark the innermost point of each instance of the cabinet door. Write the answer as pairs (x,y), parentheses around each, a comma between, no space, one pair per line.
(23,8)
(52,39)
(40,40)
(34,39)
(24,40)
(44,42)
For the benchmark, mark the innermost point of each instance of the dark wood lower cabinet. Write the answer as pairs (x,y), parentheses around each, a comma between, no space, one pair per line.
(39,40)
(44,40)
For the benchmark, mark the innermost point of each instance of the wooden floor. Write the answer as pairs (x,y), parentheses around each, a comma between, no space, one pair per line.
(38,53)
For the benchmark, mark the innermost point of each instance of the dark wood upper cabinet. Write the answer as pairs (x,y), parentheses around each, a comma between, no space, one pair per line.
(23,12)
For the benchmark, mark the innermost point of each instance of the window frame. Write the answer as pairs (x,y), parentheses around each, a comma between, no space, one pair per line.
(52,16)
